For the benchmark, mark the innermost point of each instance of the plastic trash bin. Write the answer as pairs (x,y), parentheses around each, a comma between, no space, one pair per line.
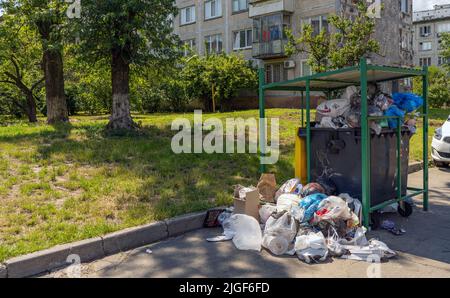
(336,155)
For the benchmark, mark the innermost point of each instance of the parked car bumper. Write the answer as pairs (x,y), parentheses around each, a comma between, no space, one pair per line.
(440,151)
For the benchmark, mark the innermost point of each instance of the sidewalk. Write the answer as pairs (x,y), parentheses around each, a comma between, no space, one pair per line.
(424,251)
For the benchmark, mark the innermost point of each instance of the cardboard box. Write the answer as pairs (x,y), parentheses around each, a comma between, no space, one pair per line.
(248,206)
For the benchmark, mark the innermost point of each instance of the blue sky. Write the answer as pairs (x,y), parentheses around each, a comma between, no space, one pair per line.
(427,4)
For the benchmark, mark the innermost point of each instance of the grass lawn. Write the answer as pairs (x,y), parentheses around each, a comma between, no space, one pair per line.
(65,183)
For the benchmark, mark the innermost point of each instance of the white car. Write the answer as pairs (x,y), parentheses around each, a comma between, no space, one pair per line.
(440,148)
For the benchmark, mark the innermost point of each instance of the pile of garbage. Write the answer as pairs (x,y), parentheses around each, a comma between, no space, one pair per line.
(346,112)
(308,221)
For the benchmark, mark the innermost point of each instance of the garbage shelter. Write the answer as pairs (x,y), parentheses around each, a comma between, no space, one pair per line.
(368,180)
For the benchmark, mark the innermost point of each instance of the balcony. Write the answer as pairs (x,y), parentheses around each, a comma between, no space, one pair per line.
(264,7)
(271,49)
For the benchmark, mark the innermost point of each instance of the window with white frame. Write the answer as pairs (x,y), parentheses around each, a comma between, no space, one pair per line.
(214,43)
(213,9)
(187,15)
(318,23)
(442,60)
(425,46)
(242,39)
(444,27)
(189,46)
(275,72)
(425,31)
(240,5)
(306,69)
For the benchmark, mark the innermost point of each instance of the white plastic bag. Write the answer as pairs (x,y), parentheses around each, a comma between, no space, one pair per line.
(311,247)
(332,108)
(247,232)
(286,201)
(337,209)
(279,234)
(266,211)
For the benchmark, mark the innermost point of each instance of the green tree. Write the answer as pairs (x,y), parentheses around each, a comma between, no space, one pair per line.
(126,33)
(20,65)
(222,74)
(446,49)
(349,40)
(438,90)
(47,18)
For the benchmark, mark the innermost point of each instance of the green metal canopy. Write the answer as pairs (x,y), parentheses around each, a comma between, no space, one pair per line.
(359,75)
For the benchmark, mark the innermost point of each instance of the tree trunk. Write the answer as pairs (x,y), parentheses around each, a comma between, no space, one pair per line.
(54,87)
(120,76)
(31,108)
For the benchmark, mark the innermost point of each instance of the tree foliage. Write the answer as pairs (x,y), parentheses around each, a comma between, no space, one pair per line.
(126,33)
(349,41)
(222,73)
(438,89)
(21,75)
(445,43)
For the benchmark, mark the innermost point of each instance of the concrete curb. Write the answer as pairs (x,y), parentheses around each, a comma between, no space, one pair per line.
(96,248)
(99,247)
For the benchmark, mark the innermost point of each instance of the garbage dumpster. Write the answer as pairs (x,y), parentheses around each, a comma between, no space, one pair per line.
(336,155)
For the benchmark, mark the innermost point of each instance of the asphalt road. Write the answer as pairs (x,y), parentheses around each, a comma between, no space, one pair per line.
(424,251)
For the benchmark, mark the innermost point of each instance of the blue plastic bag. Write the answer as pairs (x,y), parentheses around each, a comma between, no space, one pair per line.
(395,111)
(311,204)
(408,102)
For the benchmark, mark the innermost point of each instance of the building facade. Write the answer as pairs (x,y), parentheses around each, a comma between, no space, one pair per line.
(428,28)
(255,28)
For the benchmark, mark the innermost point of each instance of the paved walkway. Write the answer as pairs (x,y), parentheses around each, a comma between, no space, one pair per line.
(424,251)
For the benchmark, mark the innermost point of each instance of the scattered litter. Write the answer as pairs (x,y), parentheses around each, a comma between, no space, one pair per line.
(390,226)
(313,223)
(148,251)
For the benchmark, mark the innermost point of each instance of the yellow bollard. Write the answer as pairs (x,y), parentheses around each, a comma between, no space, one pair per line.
(300,159)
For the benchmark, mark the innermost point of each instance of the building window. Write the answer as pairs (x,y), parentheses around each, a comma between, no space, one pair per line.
(404,5)
(306,69)
(318,24)
(240,5)
(425,61)
(213,43)
(425,31)
(275,73)
(188,15)
(442,61)
(189,46)
(242,39)
(213,9)
(425,46)
(442,28)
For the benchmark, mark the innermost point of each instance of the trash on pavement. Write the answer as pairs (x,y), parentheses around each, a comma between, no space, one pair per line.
(311,247)
(212,218)
(390,226)
(279,233)
(266,211)
(311,223)
(247,232)
(290,186)
(267,187)
(249,205)
(286,201)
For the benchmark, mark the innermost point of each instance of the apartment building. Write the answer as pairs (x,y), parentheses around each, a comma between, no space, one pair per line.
(256,29)
(428,28)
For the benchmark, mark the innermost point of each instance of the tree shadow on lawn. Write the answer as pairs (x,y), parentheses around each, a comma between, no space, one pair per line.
(168,183)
